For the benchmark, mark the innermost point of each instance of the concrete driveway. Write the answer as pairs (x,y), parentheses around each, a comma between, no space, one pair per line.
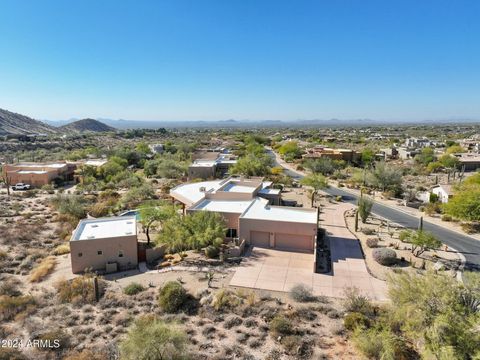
(276,270)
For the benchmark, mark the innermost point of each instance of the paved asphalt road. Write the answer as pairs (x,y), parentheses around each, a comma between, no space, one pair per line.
(465,244)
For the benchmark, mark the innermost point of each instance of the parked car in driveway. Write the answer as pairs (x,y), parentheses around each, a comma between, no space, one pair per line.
(21,186)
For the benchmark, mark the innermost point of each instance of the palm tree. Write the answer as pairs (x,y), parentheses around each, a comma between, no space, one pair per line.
(317,182)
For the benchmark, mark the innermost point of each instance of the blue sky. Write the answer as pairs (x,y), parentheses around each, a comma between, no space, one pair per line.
(242,59)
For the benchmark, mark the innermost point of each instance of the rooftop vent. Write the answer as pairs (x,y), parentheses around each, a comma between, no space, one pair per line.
(94,225)
(203,188)
(91,237)
(129,222)
(128,233)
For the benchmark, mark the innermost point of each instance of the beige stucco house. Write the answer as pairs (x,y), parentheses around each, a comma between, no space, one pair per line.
(38,174)
(104,244)
(252,212)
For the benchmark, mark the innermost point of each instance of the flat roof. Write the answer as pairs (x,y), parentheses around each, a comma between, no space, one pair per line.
(191,192)
(31,172)
(260,210)
(225,206)
(96,162)
(270,191)
(233,187)
(102,228)
(55,166)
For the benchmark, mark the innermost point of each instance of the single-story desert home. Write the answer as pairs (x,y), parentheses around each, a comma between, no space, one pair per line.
(104,244)
(252,212)
(39,174)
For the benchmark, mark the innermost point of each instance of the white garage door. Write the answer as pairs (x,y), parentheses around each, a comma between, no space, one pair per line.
(293,242)
(260,238)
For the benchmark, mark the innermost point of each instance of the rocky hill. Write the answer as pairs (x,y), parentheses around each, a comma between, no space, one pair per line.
(17,124)
(86,125)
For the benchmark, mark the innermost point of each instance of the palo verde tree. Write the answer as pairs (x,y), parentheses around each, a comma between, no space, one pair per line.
(153,213)
(420,240)
(193,231)
(315,181)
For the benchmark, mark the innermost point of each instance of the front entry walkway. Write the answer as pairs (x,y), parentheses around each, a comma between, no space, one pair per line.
(276,270)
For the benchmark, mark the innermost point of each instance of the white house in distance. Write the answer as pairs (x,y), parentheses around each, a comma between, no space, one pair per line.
(104,244)
(444,192)
(246,205)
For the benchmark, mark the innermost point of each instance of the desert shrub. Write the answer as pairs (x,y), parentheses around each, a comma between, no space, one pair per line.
(53,337)
(86,354)
(9,353)
(379,343)
(172,296)
(470,227)
(368,231)
(447,217)
(42,270)
(150,338)
(61,249)
(354,319)
(13,305)
(9,286)
(281,326)
(232,322)
(384,256)
(301,293)
(355,302)
(364,208)
(133,288)
(372,242)
(79,290)
(225,299)
(211,251)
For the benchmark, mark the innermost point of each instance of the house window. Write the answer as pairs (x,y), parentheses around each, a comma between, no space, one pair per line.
(99,252)
(120,253)
(80,254)
(231,233)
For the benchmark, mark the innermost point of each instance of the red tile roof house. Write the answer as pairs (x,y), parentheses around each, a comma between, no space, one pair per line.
(246,205)
(104,244)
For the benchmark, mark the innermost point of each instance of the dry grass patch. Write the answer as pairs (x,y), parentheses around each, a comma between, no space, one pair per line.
(62,249)
(42,270)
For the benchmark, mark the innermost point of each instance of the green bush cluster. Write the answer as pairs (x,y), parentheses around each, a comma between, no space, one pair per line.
(172,296)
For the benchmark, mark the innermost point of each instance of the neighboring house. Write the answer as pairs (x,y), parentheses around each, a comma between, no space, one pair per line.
(347,155)
(156,148)
(469,161)
(206,168)
(39,174)
(104,244)
(246,205)
(444,192)
(418,142)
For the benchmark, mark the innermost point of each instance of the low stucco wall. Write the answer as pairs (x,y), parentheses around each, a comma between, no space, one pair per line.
(154,254)
(110,248)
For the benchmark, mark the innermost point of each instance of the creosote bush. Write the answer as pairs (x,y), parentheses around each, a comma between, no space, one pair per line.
(372,242)
(172,296)
(301,293)
(384,256)
(281,326)
(133,288)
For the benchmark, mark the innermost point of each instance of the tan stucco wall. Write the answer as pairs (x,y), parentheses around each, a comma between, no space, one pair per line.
(231,219)
(110,248)
(285,227)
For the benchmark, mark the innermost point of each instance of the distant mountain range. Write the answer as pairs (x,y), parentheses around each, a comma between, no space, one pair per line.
(232,123)
(13,123)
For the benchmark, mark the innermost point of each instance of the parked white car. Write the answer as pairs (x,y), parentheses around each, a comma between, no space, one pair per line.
(21,186)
